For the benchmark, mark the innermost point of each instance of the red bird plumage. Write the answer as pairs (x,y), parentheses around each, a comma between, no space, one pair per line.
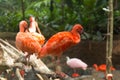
(102,67)
(26,41)
(39,37)
(61,41)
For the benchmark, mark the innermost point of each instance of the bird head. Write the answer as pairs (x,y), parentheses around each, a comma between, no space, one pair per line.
(23,26)
(78,28)
(95,66)
(31,18)
(68,58)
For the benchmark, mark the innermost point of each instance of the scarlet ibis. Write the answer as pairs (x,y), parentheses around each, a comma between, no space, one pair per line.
(102,68)
(25,41)
(23,25)
(61,41)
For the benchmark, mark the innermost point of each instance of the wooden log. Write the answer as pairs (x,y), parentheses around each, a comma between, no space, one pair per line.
(39,65)
(2,78)
(9,51)
(18,74)
(11,54)
(39,76)
(6,59)
(17,52)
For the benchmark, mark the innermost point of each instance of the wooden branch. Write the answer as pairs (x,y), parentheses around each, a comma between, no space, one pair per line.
(39,76)
(6,59)
(109,45)
(11,55)
(10,46)
(39,65)
(9,51)
(18,74)
(1,78)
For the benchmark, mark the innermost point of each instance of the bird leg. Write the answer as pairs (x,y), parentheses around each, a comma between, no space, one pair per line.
(27,55)
(27,66)
(57,64)
(74,70)
(58,61)
(75,74)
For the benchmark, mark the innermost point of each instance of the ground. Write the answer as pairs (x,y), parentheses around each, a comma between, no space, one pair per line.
(91,52)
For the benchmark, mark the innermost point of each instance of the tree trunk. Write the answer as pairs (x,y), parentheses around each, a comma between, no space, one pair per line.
(22,8)
(109,45)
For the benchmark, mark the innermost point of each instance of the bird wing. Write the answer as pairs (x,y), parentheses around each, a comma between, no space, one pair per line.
(27,43)
(76,63)
(39,37)
(57,44)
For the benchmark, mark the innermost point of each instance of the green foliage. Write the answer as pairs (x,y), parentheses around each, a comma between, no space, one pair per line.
(58,15)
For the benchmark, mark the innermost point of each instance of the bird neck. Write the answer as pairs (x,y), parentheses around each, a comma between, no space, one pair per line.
(21,29)
(42,52)
(76,36)
(68,58)
(96,67)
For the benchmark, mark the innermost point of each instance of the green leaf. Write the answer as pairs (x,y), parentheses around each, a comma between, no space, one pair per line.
(89,4)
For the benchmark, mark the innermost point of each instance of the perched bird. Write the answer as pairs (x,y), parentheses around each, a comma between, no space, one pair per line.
(61,41)
(39,37)
(25,41)
(23,25)
(33,25)
(76,63)
(35,31)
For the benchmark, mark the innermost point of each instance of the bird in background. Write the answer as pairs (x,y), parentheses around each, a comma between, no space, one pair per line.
(33,25)
(75,63)
(102,68)
(61,41)
(35,31)
(26,42)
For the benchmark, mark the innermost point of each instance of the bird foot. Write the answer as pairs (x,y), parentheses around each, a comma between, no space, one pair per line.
(75,75)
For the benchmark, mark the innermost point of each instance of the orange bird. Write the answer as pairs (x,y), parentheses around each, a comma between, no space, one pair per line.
(25,41)
(35,31)
(102,68)
(61,41)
